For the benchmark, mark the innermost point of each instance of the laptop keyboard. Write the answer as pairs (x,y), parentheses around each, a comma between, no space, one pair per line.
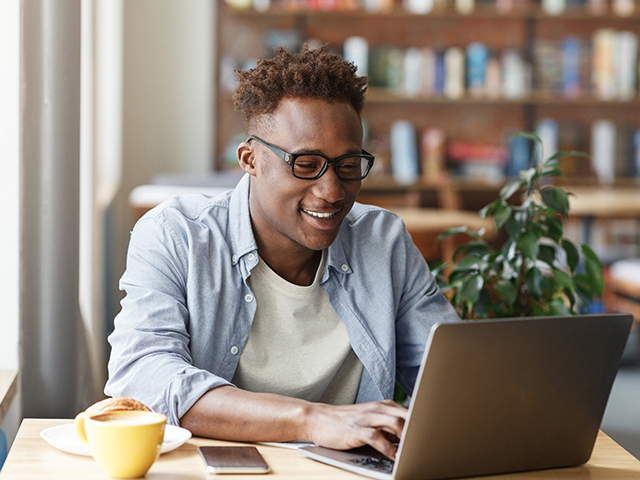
(379,464)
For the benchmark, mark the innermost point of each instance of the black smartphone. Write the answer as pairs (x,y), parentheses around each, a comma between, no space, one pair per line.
(233,460)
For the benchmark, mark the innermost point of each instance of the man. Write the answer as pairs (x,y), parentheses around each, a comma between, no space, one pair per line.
(281,310)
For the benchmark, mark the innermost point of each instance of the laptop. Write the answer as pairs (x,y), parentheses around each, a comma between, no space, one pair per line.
(498,396)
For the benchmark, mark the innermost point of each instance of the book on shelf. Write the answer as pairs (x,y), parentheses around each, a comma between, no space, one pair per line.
(432,149)
(571,138)
(418,6)
(571,66)
(548,61)
(493,78)
(547,130)
(477,58)
(624,152)
(454,73)
(635,159)
(428,74)
(603,150)
(597,7)
(440,74)
(262,5)
(519,155)
(515,73)
(603,68)
(476,161)
(412,84)
(626,64)
(464,7)
(623,8)
(404,153)
(356,50)
(553,7)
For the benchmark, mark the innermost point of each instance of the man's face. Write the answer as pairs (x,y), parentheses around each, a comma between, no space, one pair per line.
(287,212)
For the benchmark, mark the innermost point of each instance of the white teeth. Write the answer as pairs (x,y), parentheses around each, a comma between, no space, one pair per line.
(319,215)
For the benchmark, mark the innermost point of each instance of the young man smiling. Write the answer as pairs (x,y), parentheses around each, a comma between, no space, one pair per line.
(282,310)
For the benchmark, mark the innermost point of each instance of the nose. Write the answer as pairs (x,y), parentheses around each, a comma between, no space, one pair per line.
(329,187)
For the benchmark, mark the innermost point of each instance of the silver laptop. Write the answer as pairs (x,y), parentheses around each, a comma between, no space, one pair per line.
(497,396)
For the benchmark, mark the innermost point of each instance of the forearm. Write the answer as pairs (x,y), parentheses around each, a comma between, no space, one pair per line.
(229,413)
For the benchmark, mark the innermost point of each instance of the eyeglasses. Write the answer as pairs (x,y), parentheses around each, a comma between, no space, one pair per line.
(309,166)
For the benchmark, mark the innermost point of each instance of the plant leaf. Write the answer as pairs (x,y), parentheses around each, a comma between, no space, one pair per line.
(563,279)
(528,176)
(533,281)
(557,307)
(547,254)
(528,245)
(594,270)
(489,208)
(509,250)
(501,214)
(514,225)
(470,290)
(472,248)
(557,199)
(507,291)
(554,228)
(509,189)
(573,256)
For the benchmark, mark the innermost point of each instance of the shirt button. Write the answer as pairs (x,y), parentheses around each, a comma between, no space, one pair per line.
(344,267)
(234,259)
(248,298)
(251,256)
(234,350)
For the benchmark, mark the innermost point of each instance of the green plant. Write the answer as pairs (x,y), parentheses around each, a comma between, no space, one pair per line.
(536,271)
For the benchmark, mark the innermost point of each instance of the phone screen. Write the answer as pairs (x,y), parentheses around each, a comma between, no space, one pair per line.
(233,460)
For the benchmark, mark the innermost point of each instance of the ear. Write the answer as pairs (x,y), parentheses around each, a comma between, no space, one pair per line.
(247,158)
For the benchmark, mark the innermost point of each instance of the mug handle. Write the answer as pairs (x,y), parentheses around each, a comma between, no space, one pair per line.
(80,427)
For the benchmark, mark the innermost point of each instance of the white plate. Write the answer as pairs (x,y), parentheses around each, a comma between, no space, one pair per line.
(64,438)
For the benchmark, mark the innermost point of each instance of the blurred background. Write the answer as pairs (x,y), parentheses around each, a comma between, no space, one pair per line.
(109,106)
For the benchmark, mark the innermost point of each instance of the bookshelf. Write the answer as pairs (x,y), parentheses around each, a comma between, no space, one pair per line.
(467,118)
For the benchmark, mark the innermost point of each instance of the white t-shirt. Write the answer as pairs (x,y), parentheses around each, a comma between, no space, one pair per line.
(297,346)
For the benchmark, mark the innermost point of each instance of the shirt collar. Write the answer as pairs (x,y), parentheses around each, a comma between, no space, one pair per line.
(241,232)
(243,241)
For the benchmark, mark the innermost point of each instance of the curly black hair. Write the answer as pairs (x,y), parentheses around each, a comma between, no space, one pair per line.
(311,73)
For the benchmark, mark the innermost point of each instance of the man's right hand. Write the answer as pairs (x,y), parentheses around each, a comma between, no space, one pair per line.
(228,413)
(342,427)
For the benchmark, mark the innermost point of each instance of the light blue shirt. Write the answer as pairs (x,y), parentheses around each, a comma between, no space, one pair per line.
(188,307)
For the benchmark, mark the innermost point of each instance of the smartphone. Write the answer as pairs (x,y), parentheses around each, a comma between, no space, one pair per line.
(233,460)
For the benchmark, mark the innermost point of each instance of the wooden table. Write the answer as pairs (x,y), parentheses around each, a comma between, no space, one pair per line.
(32,458)
(425,224)
(8,389)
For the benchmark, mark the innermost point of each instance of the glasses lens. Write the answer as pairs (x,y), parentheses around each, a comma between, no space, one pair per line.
(352,168)
(308,166)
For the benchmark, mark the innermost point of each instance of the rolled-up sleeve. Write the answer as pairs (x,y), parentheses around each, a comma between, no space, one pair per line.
(151,359)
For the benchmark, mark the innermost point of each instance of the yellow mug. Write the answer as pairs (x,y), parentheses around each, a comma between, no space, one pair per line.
(124,443)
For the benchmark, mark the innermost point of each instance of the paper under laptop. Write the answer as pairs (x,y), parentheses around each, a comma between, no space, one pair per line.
(498,396)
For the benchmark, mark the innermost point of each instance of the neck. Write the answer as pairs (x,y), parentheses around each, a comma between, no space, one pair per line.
(299,269)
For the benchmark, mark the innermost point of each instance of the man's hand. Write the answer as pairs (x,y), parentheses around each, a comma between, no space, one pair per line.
(228,413)
(378,424)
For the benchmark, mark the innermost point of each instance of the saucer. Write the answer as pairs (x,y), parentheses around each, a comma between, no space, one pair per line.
(64,438)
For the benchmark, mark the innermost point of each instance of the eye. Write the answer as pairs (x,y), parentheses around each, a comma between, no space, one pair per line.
(351,165)
(308,164)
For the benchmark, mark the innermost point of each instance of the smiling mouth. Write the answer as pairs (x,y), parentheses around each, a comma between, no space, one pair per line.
(318,214)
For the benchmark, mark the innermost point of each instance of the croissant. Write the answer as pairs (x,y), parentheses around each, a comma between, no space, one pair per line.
(116,404)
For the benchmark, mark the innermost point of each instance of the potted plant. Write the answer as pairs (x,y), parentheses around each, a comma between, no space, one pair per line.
(536,271)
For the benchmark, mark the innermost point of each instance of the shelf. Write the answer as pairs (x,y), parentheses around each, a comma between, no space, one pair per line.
(532,13)
(382,96)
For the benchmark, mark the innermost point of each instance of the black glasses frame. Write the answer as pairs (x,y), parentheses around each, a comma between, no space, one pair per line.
(290,158)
